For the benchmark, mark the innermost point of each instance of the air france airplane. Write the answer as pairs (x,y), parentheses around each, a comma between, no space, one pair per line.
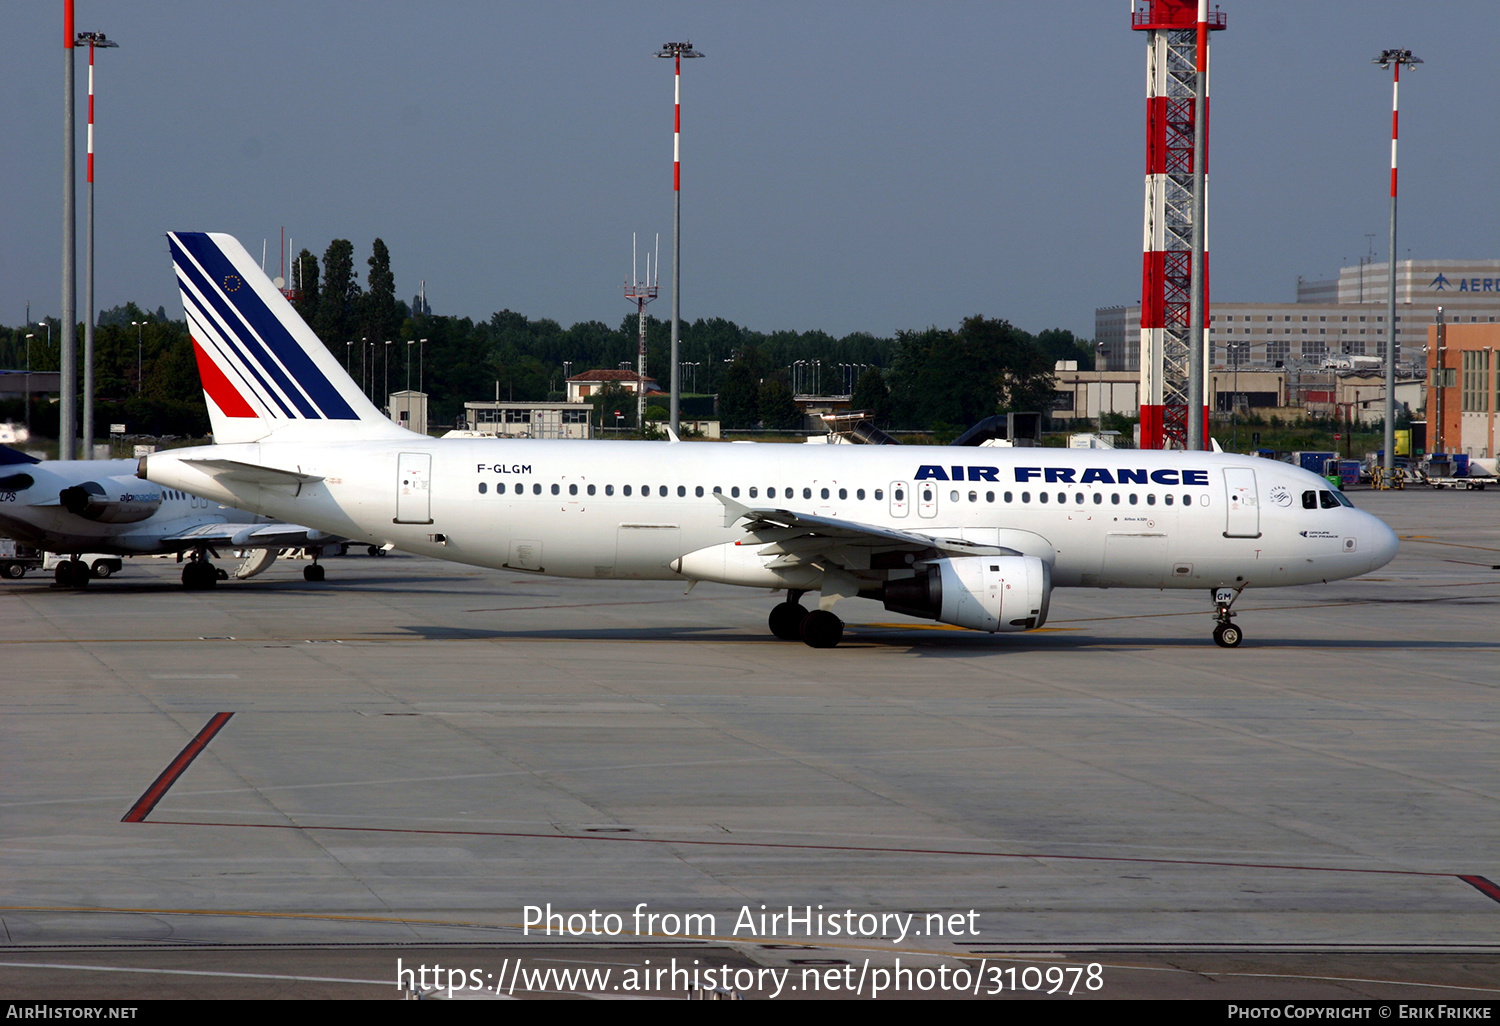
(76,506)
(972,537)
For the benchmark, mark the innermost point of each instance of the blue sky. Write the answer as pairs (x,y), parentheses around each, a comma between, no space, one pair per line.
(846,166)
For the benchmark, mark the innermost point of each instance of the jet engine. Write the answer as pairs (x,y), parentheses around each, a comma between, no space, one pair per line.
(90,501)
(983,593)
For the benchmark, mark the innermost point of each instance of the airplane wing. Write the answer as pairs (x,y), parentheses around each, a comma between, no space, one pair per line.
(799,539)
(250,536)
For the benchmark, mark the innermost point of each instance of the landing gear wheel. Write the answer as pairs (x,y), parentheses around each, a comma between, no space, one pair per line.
(376,550)
(71,573)
(1227,635)
(786,621)
(199,575)
(821,629)
(312,573)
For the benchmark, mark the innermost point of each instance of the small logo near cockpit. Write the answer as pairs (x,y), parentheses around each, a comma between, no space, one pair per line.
(1281,495)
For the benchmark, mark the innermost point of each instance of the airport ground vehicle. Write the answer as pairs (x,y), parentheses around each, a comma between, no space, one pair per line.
(17,558)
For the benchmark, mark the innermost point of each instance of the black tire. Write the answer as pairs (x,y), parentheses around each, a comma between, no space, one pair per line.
(102,568)
(199,575)
(81,573)
(14,571)
(821,629)
(375,550)
(1227,635)
(62,574)
(786,621)
(312,573)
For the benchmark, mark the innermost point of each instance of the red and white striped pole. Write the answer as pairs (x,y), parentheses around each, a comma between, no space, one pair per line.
(677,123)
(1389,58)
(677,51)
(88,279)
(94,39)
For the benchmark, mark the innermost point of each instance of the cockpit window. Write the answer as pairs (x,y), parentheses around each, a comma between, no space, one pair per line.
(1327,500)
(1343,499)
(1309,500)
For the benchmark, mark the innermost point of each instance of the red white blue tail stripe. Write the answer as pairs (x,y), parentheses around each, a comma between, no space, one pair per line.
(262,367)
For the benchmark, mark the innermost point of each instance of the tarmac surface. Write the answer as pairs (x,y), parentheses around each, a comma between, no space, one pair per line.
(414,752)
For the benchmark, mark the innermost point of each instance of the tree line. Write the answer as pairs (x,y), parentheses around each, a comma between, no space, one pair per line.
(146,374)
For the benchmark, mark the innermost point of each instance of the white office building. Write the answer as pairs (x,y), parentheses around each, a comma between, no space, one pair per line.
(1343,316)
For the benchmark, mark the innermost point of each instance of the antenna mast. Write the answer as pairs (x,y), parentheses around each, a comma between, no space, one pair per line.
(640,293)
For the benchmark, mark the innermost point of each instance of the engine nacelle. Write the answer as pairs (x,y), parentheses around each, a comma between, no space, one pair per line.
(983,593)
(90,501)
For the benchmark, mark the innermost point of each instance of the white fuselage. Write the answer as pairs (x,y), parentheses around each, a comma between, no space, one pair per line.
(1102,518)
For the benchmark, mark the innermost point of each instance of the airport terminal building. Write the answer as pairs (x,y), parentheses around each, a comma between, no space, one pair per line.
(1343,316)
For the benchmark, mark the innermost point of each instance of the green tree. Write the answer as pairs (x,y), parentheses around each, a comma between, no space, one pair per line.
(1020,370)
(739,396)
(871,393)
(610,400)
(305,283)
(339,296)
(961,377)
(1062,344)
(380,317)
(778,410)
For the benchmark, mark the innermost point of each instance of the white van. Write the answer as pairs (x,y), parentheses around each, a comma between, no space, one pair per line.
(101,563)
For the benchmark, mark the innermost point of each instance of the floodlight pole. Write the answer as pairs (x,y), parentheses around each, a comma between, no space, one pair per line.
(1392,59)
(67,439)
(676,51)
(94,40)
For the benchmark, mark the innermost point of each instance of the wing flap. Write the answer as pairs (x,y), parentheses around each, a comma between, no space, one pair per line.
(797,539)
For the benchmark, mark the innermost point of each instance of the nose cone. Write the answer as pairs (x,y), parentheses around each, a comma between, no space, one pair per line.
(1382,543)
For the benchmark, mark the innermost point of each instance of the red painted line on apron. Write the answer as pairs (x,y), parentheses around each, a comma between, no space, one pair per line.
(146,802)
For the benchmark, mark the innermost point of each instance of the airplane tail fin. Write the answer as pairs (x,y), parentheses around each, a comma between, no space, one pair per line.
(263,369)
(9,455)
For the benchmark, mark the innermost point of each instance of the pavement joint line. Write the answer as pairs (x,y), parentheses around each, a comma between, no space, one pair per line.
(190,972)
(855,849)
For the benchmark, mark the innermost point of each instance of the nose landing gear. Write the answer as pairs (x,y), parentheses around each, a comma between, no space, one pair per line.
(1226,634)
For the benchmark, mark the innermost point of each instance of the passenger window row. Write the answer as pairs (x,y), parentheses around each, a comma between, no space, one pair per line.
(1309,499)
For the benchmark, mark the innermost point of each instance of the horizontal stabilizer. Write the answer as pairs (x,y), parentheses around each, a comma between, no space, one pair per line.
(250,473)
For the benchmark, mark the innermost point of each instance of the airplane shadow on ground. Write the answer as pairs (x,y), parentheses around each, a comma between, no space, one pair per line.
(920,641)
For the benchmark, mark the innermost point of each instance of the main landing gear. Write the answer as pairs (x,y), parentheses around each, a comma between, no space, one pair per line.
(198,574)
(72,573)
(314,571)
(791,621)
(1226,634)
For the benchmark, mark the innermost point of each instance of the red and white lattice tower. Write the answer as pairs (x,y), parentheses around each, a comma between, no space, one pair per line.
(1166,280)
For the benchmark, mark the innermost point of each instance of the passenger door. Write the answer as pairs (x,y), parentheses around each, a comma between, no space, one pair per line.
(1242,519)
